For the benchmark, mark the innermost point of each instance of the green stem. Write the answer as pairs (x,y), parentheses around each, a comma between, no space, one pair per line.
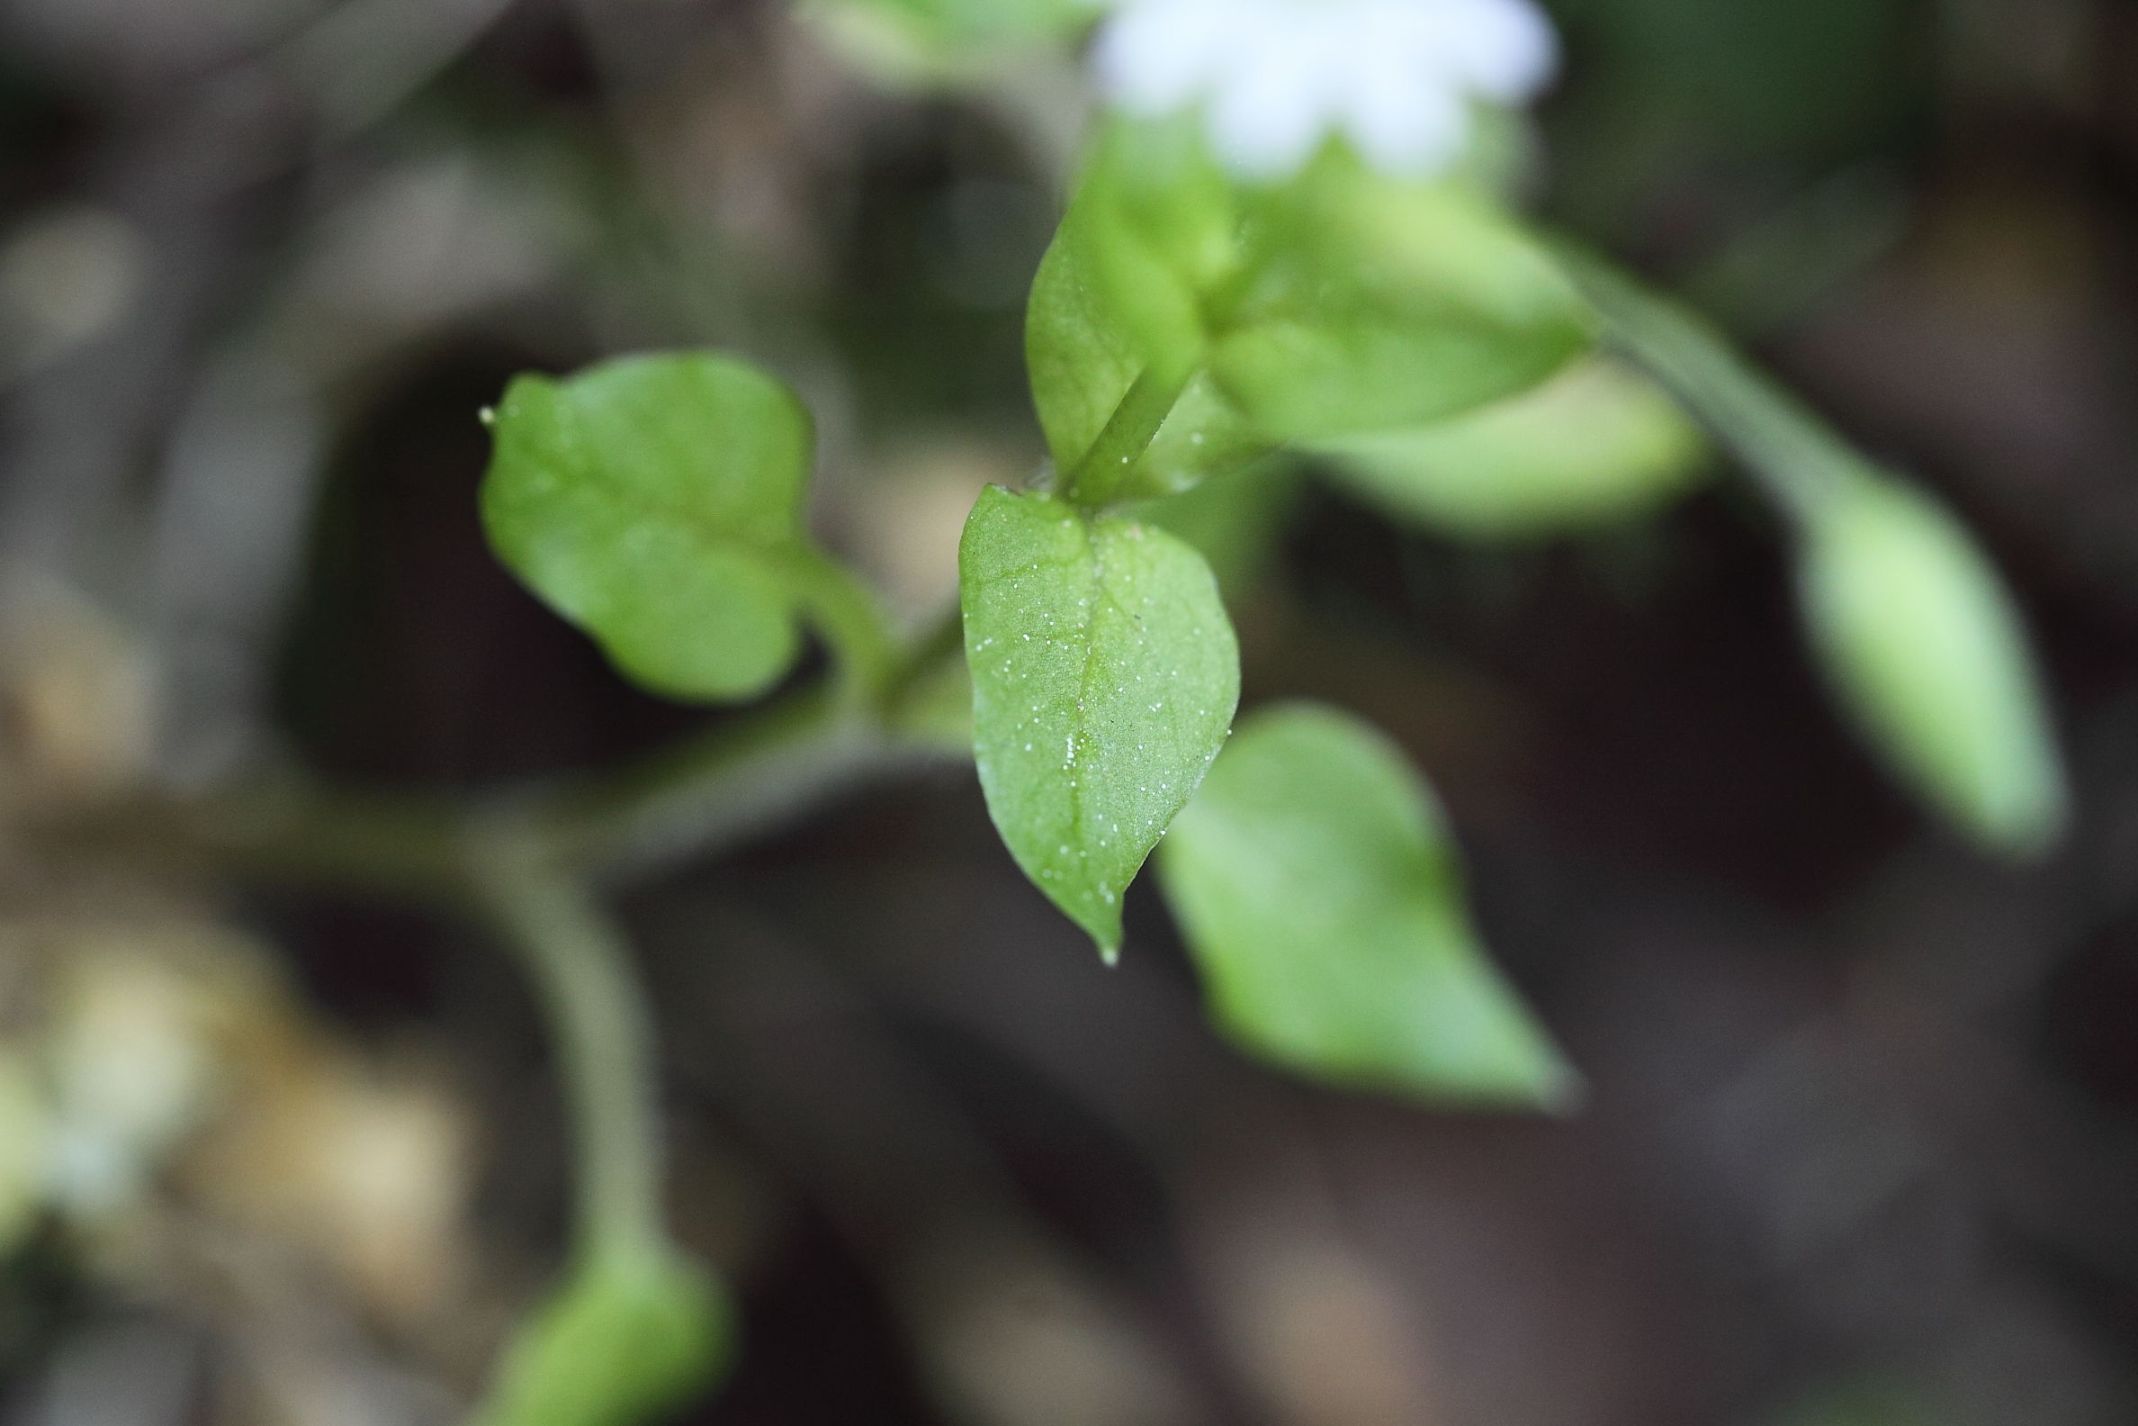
(581,970)
(522,864)
(750,774)
(740,777)
(1797,458)
(850,620)
(933,647)
(1127,435)
(712,791)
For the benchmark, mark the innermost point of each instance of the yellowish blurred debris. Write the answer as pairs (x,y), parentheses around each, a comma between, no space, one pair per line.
(76,699)
(69,273)
(166,1102)
(1017,1336)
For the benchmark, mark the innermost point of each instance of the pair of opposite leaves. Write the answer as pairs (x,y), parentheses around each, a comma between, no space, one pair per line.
(1308,865)
(657,503)
(1336,308)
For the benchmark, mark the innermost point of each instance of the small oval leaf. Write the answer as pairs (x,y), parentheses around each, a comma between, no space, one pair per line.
(656,503)
(1321,896)
(635,1333)
(1105,676)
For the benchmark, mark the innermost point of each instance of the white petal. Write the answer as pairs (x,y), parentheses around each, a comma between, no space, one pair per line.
(1404,123)
(1276,107)
(1412,27)
(1161,55)
(1278,76)
(1505,50)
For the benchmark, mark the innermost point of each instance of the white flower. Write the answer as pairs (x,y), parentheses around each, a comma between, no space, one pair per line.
(1277,77)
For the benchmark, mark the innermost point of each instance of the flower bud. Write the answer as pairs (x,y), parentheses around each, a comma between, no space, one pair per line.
(1921,641)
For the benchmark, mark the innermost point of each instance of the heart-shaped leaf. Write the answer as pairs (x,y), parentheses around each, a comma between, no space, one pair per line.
(1105,676)
(1322,897)
(656,502)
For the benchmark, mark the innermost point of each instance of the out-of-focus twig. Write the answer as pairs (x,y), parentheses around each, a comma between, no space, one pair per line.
(738,779)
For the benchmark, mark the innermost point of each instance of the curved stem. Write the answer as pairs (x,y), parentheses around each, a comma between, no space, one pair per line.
(752,773)
(850,620)
(1797,458)
(742,776)
(737,779)
(580,966)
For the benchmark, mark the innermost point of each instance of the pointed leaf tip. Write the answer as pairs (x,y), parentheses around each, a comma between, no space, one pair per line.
(1321,897)
(1105,675)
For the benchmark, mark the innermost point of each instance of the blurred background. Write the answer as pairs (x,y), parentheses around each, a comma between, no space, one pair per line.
(1860,1147)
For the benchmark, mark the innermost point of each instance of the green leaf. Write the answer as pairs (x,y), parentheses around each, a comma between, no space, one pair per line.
(1338,303)
(636,1332)
(1121,292)
(1321,895)
(1082,362)
(1597,443)
(1921,641)
(941,32)
(1377,304)
(1105,676)
(1161,232)
(656,502)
